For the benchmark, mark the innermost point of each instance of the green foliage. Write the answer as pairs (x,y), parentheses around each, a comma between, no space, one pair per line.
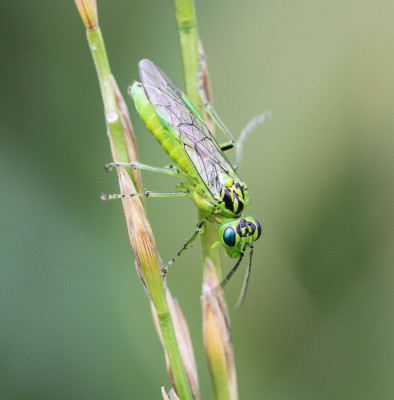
(318,319)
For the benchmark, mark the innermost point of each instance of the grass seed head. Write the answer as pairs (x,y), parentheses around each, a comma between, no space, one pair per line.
(88,11)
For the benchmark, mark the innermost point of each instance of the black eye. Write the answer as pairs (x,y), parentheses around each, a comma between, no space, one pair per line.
(229,237)
(258,229)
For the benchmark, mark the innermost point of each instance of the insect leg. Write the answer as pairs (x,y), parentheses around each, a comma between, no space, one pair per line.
(145,194)
(246,282)
(230,274)
(226,146)
(246,131)
(207,104)
(196,234)
(172,171)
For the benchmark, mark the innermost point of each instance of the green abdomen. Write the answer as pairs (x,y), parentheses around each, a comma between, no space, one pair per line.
(170,143)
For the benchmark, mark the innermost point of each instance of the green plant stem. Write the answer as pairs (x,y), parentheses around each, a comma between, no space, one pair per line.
(112,116)
(178,370)
(221,387)
(155,284)
(157,294)
(188,37)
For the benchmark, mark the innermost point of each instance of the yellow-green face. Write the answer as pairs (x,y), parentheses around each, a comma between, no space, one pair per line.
(236,234)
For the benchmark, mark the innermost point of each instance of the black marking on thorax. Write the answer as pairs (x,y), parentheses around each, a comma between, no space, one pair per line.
(233,198)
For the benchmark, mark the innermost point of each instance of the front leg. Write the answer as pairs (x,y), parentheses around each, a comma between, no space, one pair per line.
(146,194)
(171,170)
(196,234)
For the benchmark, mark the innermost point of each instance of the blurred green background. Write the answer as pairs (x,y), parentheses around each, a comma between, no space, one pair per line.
(318,320)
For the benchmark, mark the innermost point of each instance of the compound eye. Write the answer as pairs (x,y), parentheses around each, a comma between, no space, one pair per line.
(258,229)
(229,237)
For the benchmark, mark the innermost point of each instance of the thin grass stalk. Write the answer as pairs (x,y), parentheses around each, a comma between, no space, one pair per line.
(141,236)
(215,315)
(188,37)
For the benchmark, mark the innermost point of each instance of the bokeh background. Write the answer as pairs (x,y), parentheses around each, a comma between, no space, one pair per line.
(318,320)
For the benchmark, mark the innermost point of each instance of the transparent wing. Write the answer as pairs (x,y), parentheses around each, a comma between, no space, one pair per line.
(172,106)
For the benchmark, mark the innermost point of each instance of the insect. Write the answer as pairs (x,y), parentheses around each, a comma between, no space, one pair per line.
(209,178)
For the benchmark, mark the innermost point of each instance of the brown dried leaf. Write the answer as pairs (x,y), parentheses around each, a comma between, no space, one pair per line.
(164,394)
(216,321)
(207,85)
(140,233)
(172,394)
